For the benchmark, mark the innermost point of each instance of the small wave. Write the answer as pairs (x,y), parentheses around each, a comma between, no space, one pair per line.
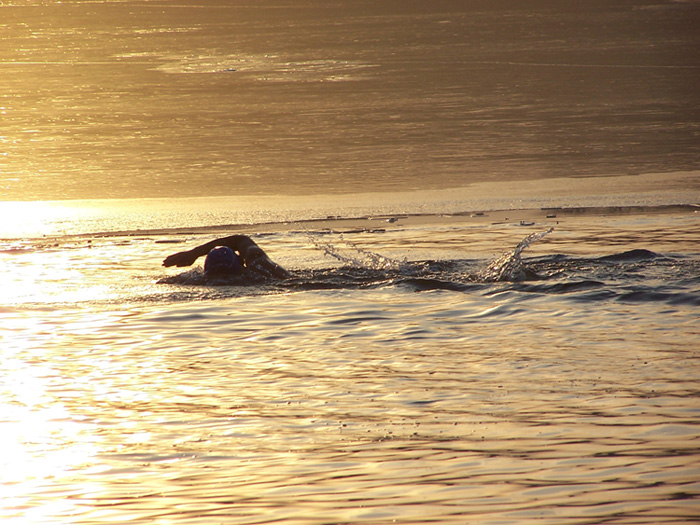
(657,296)
(197,277)
(426,284)
(631,255)
(561,287)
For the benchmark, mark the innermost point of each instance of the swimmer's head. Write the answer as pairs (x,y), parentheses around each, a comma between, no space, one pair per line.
(222,260)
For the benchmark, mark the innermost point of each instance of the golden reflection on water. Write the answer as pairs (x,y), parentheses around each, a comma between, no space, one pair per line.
(42,444)
(20,219)
(357,405)
(324,409)
(48,276)
(118,99)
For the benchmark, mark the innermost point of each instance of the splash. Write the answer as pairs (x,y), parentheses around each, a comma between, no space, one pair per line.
(509,266)
(364,258)
(363,268)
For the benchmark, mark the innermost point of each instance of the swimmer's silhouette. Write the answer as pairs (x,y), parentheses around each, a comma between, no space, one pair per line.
(238,253)
(251,256)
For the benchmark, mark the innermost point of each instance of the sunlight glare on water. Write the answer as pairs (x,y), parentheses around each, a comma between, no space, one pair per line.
(385,153)
(351,400)
(399,401)
(42,442)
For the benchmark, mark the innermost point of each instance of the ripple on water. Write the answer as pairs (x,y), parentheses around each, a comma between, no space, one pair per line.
(407,401)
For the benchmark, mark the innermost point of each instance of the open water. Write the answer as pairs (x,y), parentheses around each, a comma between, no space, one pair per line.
(156,98)
(386,153)
(389,381)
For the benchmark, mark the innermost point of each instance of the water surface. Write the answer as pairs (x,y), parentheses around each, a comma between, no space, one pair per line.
(356,393)
(151,98)
(385,153)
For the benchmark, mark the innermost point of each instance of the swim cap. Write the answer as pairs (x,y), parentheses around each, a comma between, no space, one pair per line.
(222,259)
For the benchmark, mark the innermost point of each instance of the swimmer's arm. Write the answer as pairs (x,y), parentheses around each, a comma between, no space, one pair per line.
(187,258)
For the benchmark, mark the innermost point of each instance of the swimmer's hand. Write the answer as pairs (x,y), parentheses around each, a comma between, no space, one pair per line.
(181,259)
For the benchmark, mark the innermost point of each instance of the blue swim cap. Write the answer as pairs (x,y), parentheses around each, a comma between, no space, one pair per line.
(221,260)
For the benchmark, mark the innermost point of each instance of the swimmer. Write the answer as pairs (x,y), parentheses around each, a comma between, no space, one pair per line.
(230,255)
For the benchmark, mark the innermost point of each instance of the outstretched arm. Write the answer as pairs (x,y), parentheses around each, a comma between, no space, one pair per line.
(252,255)
(188,257)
